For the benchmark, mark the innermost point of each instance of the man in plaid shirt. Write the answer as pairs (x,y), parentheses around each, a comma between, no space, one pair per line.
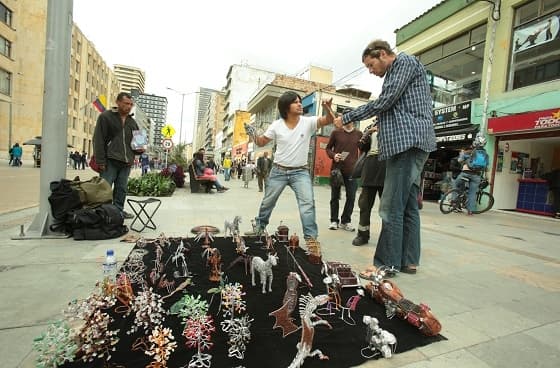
(406,137)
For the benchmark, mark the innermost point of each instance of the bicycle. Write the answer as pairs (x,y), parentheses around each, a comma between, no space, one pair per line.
(456,199)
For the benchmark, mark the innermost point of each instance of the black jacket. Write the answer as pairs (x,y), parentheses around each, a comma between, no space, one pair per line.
(373,172)
(111,139)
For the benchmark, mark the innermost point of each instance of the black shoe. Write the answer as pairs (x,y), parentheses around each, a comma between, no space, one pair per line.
(127,215)
(361,239)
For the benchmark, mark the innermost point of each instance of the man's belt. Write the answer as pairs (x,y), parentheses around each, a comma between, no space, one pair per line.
(282,167)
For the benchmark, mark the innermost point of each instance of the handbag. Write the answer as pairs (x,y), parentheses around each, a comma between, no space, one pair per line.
(359,166)
(336,178)
(93,164)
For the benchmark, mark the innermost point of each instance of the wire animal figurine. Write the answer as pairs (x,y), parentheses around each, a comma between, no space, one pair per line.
(264,268)
(232,227)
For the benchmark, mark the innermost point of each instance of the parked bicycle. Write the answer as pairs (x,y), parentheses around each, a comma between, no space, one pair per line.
(456,199)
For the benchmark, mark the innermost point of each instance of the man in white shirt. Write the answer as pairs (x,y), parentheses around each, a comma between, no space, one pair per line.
(292,133)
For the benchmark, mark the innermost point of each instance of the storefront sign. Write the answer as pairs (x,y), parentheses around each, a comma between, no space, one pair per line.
(454,137)
(531,121)
(452,116)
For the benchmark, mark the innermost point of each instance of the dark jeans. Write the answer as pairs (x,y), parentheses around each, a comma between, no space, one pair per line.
(350,186)
(261,180)
(366,202)
(116,173)
(399,240)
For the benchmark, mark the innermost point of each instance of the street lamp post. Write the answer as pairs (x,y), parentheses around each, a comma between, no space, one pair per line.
(183,94)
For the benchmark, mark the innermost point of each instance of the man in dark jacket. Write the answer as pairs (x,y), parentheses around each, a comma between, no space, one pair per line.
(112,149)
(263,169)
(373,177)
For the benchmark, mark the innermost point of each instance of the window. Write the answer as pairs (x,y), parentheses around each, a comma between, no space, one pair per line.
(455,67)
(5,47)
(535,44)
(5,82)
(5,14)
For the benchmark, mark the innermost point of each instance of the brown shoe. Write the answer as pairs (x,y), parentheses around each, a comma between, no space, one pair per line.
(411,270)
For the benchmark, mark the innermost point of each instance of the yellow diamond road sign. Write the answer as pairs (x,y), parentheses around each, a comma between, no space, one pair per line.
(168,131)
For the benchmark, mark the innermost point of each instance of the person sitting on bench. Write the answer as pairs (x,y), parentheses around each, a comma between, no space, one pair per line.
(205,173)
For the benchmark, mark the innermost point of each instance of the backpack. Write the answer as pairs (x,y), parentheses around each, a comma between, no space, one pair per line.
(102,222)
(478,160)
(63,199)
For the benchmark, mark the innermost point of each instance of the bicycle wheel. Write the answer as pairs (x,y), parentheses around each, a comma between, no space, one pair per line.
(484,201)
(447,203)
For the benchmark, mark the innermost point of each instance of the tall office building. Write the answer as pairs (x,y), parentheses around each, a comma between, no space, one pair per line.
(156,109)
(203,99)
(130,77)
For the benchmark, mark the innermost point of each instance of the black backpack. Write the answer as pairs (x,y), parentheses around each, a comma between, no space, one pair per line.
(63,199)
(102,222)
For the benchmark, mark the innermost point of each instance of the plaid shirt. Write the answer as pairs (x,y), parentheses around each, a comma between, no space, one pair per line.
(404,109)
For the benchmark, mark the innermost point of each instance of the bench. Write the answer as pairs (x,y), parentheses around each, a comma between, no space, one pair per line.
(196,184)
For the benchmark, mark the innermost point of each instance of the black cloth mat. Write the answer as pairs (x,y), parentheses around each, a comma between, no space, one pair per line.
(267,348)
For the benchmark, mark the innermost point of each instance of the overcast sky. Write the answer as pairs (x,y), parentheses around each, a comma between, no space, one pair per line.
(186,45)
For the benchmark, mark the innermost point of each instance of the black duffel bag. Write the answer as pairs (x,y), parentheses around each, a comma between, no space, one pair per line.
(102,222)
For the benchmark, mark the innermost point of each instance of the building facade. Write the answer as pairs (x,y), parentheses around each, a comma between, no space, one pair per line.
(242,83)
(90,79)
(130,77)
(22,71)
(495,68)
(155,108)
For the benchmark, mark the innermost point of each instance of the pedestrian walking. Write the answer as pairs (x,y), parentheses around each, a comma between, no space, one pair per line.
(264,164)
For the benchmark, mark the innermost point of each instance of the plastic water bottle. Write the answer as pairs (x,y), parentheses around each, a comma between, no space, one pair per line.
(110,267)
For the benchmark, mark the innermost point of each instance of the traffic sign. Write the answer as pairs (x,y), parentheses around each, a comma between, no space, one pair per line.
(168,131)
(167,144)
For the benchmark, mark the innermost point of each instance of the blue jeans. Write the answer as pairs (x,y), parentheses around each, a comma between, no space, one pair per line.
(474,182)
(300,182)
(116,173)
(350,187)
(399,240)
(227,174)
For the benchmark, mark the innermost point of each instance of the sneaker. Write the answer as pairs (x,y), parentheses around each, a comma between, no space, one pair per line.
(348,227)
(127,215)
(333,225)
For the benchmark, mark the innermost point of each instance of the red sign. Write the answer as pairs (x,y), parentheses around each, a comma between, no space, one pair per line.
(322,160)
(531,121)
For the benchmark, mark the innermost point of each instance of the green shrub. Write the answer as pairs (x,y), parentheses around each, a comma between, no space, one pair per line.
(153,184)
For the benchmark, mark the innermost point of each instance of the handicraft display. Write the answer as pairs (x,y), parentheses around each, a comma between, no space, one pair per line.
(175,304)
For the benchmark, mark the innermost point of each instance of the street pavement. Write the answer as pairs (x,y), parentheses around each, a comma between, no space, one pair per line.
(493,280)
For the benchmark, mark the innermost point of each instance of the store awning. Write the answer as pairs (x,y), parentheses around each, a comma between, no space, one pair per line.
(530,122)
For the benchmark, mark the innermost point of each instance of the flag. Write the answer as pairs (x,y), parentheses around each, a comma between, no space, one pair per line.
(100,103)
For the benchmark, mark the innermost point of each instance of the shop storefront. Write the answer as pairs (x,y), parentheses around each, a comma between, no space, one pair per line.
(528,146)
(454,131)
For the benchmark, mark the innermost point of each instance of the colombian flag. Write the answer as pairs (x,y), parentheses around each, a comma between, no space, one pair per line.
(100,103)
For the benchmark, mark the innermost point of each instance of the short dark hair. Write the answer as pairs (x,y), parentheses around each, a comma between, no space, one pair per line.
(285,101)
(374,47)
(122,95)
